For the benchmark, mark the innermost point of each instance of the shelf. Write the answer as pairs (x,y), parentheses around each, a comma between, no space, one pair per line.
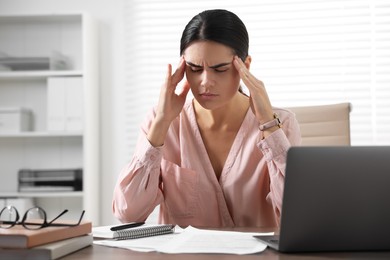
(40,134)
(46,18)
(73,35)
(39,74)
(40,194)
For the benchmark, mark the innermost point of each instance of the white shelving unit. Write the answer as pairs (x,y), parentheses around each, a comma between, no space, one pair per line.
(74,36)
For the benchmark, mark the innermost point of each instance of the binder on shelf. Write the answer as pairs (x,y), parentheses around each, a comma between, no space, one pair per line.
(55,105)
(65,104)
(74,104)
(22,204)
(50,180)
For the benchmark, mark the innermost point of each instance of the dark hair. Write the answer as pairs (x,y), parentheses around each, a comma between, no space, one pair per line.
(219,26)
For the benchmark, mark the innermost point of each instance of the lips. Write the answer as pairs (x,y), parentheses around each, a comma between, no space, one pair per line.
(207,95)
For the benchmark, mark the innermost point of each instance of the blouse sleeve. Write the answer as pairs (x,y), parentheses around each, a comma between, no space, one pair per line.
(137,191)
(275,148)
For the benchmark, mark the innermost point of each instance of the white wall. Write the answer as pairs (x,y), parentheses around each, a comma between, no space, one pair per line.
(109,15)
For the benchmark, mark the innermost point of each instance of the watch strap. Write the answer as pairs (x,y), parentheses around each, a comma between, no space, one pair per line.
(272,123)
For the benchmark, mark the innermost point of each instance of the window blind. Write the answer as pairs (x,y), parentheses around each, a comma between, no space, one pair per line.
(307,52)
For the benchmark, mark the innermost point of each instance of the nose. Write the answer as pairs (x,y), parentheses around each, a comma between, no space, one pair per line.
(207,80)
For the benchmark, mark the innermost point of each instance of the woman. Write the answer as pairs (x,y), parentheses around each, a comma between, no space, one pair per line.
(217,160)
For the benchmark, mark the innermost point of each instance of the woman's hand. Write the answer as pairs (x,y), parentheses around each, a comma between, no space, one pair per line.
(260,103)
(169,105)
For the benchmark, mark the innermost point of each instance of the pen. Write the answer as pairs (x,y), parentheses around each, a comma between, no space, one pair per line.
(128,225)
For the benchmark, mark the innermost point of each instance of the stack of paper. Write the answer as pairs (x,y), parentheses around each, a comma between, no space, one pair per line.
(193,240)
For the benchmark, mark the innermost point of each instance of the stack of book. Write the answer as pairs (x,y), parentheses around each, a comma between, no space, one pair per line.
(46,243)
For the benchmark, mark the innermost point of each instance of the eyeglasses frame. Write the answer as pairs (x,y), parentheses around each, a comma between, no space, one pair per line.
(40,225)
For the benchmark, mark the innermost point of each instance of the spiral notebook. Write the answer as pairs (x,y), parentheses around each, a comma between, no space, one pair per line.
(131,233)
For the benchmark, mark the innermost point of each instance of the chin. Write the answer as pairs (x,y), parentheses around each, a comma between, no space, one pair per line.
(208,105)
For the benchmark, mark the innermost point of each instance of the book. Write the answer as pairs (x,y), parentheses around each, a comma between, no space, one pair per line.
(19,237)
(48,251)
(146,230)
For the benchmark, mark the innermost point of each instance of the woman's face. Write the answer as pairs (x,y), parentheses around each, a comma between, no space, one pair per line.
(211,73)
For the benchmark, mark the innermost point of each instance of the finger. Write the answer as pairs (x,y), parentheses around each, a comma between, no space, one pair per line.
(185,89)
(246,76)
(168,77)
(241,68)
(179,72)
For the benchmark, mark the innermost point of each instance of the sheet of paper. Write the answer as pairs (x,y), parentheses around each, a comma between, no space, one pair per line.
(193,240)
(144,244)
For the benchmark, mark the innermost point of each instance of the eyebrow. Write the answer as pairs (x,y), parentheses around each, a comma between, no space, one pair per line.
(211,67)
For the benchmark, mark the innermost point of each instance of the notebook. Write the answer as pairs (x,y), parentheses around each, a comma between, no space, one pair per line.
(335,199)
(19,237)
(146,230)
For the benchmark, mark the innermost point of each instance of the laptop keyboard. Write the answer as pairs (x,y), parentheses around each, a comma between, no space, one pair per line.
(272,239)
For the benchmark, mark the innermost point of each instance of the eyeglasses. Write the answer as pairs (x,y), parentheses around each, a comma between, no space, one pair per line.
(34,218)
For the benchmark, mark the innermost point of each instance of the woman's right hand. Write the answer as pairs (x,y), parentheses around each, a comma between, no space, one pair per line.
(169,105)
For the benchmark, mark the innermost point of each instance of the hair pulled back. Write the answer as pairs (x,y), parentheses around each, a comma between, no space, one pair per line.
(220,26)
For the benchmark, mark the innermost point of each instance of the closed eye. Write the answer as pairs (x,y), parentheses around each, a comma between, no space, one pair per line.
(216,70)
(220,70)
(222,67)
(195,69)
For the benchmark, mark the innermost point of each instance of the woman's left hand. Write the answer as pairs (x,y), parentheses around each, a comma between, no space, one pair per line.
(259,101)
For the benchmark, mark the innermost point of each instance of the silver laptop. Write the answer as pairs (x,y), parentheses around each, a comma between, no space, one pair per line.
(335,199)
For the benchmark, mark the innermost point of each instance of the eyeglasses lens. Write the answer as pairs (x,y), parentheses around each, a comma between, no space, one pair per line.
(35,218)
(8,216)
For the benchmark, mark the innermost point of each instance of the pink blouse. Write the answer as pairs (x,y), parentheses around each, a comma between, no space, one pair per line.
(179,176)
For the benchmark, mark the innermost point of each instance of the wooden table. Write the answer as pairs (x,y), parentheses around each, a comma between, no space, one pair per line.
(97,252)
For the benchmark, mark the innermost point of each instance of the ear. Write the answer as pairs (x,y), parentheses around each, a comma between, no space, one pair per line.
(248,61)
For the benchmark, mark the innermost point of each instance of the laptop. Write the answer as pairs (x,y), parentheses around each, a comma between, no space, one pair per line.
(335,199)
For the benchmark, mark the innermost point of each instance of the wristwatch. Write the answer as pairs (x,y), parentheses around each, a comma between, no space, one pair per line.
(272,123)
